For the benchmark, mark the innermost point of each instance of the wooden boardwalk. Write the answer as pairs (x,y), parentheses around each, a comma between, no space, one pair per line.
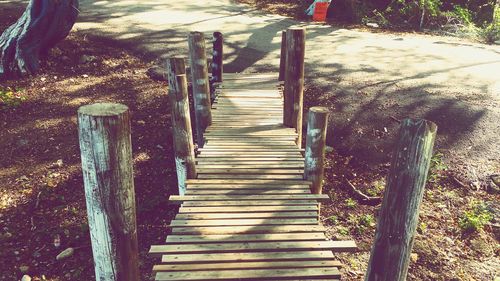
(249,215)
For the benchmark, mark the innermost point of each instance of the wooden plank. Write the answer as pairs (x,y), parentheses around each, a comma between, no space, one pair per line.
(248,176)
(241,222)
(248,229)
(196,239)
(243,115)
(246,191)
(193,187)
(248,153)
(214,143)
(250,171)
(253,149)
(261,159)
(230,133)
(249,209)
(334,246)
(231,181)
(179,198)
(246,265)
(276,215)
(248,257)
(255,165)
(250,203)
(253,138)
(253,274)
(254,155)
(242,124)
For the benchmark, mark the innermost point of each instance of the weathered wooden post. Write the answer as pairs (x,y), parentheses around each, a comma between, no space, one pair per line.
(282,57)
(181,122)
(398,217)
(199,79)
(217,63)
(106,151)
(317,121)
(294,80)
(217,60)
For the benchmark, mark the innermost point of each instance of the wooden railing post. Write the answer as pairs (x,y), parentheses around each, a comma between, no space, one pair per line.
(317,121)
(181,122)
(398,217)
(218,54)
(106,151)
(217,63)
(294,80)
(282,57)
(201,88)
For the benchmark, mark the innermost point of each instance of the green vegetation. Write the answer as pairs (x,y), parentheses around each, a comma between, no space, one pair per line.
(333,219)
(437,167)
(376,188)
(422,227)
(10,97)
(361,223)
(342,230)
(475,218)
(476,19)
(351,203)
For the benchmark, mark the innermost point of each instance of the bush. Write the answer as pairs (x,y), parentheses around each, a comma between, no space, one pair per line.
(10,97)
(475,218)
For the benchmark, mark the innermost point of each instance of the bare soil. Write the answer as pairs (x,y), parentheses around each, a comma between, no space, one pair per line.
(42,199)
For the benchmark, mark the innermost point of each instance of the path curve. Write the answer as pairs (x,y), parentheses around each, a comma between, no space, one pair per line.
(365,77)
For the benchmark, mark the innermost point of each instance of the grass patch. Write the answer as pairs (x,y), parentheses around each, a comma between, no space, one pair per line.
(10,97)
(475,218)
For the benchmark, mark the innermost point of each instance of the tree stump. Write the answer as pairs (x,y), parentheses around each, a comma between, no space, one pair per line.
(43,24)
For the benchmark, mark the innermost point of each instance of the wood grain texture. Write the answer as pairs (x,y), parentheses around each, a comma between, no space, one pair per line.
(315,147)
(294,80)
(398,217)
(181,123)
(201,88)
(281,76)
(106,152)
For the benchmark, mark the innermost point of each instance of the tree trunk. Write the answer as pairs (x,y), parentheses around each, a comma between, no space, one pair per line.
(41,27)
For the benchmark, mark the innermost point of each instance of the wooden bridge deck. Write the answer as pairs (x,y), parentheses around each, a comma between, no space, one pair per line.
(249,215)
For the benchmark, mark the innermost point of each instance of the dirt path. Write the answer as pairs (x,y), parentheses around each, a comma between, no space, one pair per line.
(368,80)
(365,77)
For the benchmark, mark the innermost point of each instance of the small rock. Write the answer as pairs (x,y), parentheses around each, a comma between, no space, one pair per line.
(494,186)
(58,164)
(65,254)
(56,52)
(57,241)
(141,122)
(372,24)
(329,149)
(414,257)
(86,59)
(51,182)
(476,185)
(43,79)
(65,59)
(85,76)
(23,178)
(26,278)
(159,146)
(449,240)
(24,268)
(157,73)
